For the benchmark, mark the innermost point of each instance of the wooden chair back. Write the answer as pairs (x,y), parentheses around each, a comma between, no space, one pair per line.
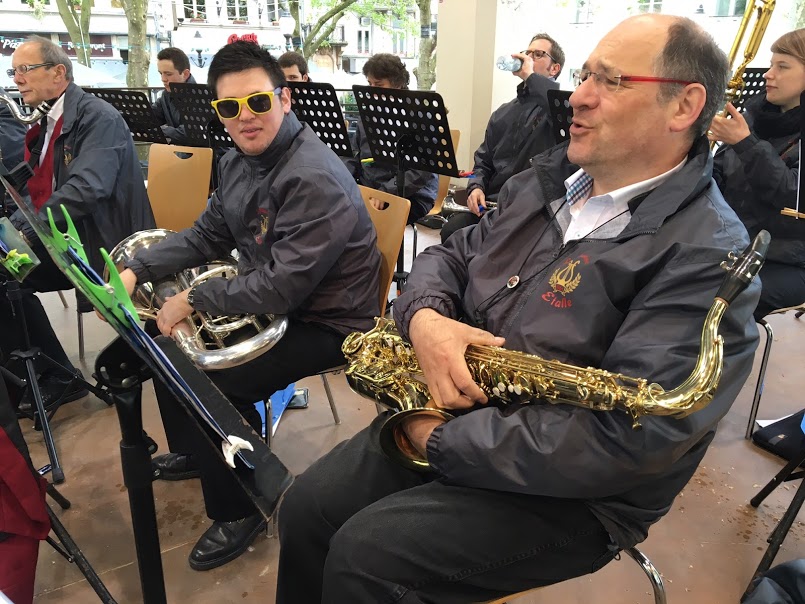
(178,184)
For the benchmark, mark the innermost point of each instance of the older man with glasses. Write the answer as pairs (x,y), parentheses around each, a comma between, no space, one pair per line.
(307,250)
(82,156)
(517,130)
(606,254)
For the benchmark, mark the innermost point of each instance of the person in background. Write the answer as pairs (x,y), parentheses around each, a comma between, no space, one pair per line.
(516,132)
(174,67)
(757,170)
(294,67)
(386,70)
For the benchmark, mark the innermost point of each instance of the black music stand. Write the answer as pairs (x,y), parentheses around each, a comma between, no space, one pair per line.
(409,129)
(202,125)
(754,85)
(135,107)
(561,114)
(316,104)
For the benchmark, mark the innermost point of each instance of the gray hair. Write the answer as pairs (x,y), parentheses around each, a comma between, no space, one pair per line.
(691,54)
(53,53)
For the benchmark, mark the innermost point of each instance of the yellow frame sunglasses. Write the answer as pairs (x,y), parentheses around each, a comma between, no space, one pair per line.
(258,103)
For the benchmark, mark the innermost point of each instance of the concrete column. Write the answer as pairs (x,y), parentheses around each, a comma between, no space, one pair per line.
(464,69)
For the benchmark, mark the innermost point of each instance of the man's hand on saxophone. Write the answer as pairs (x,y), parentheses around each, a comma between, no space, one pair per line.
(440,344)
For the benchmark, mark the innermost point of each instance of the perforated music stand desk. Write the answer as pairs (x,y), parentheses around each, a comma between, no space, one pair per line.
(408,129)
(135,107)
(202,126)
(561,114)
(753,86)
(316,104)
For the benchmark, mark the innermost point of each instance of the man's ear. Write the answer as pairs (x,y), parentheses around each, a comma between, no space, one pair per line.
(285,95)
(554,70)
(686,107)
(186,74)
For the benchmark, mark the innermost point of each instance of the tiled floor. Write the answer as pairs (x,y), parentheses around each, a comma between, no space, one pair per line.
(706,548)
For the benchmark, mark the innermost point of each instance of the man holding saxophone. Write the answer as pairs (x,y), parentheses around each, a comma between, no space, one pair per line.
(605,255)
(307,250)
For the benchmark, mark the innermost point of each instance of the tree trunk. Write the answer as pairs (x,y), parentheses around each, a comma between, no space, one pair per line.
(76,16)
(321,30)
(139,55)
(425,72)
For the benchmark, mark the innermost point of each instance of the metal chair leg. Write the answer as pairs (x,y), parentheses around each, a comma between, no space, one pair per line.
(413,255)
(761,376)
(330,398)
(80,334)
(651,572)
(63,299)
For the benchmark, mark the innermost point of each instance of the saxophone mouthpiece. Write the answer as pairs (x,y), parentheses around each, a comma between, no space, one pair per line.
(744,268)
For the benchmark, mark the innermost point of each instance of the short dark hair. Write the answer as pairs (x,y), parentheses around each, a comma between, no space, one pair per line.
(556,51)
(386,66)
(175,56)
(291,58)
(691,55)
(241,56)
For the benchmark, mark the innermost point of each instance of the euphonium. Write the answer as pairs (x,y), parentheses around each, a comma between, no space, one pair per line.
(212,343)
(383,367)
(37,114)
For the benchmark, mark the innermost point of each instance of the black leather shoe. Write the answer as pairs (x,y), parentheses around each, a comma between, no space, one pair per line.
(174,466)
(52,389)
(225,541)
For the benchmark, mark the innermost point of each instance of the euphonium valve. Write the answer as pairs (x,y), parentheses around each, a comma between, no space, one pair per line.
(211,342)
(383,367)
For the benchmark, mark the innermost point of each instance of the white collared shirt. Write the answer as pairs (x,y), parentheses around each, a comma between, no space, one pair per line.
(53,116)
(590,213)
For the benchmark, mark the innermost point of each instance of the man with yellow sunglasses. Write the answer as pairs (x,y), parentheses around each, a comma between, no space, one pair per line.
(307,250)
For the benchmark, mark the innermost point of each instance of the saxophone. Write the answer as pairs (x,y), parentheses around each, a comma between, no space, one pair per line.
(384,368)
(37,114)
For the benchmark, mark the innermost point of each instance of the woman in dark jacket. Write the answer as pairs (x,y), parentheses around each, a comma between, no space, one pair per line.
(757,171)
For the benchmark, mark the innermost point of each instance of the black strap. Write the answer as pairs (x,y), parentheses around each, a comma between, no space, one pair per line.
(37,146)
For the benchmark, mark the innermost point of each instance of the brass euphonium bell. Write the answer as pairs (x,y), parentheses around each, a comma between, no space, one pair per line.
(384,367)
(211,342)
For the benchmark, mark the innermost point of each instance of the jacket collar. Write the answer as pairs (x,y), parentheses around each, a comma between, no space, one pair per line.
(649,211)
(289,129)
(72,97)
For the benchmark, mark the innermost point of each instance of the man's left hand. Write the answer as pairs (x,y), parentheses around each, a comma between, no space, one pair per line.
(528,66)
(729,131)
(173,311)
(418,428)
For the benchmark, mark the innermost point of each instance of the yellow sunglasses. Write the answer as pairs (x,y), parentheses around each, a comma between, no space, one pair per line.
(258,103)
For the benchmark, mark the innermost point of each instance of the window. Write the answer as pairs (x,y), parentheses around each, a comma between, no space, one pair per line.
(366,21)
(584,11)
(363,41)
(649,6)
(398,42)
(338,34)
(730,8)
(236,9)
(195,9)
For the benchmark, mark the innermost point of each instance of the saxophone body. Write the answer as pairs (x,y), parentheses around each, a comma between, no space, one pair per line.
(383,367)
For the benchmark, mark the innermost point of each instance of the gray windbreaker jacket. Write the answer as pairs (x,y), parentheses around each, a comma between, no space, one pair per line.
(98,177)
(633,304)
(307,245)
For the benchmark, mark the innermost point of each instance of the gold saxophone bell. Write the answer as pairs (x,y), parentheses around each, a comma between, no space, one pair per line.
(384,368)
(211,342)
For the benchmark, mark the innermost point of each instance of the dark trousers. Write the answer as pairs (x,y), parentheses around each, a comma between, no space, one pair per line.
(457,221)
(783,286)
(358,528)
(44,278)
(304,350)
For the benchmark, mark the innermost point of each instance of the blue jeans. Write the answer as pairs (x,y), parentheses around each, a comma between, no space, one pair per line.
(358,528)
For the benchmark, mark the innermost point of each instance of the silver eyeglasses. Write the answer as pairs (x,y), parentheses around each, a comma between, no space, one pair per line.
(23,69)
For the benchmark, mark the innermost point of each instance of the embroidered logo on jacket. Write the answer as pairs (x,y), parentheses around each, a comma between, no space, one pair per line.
(262,216)
(563,281)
